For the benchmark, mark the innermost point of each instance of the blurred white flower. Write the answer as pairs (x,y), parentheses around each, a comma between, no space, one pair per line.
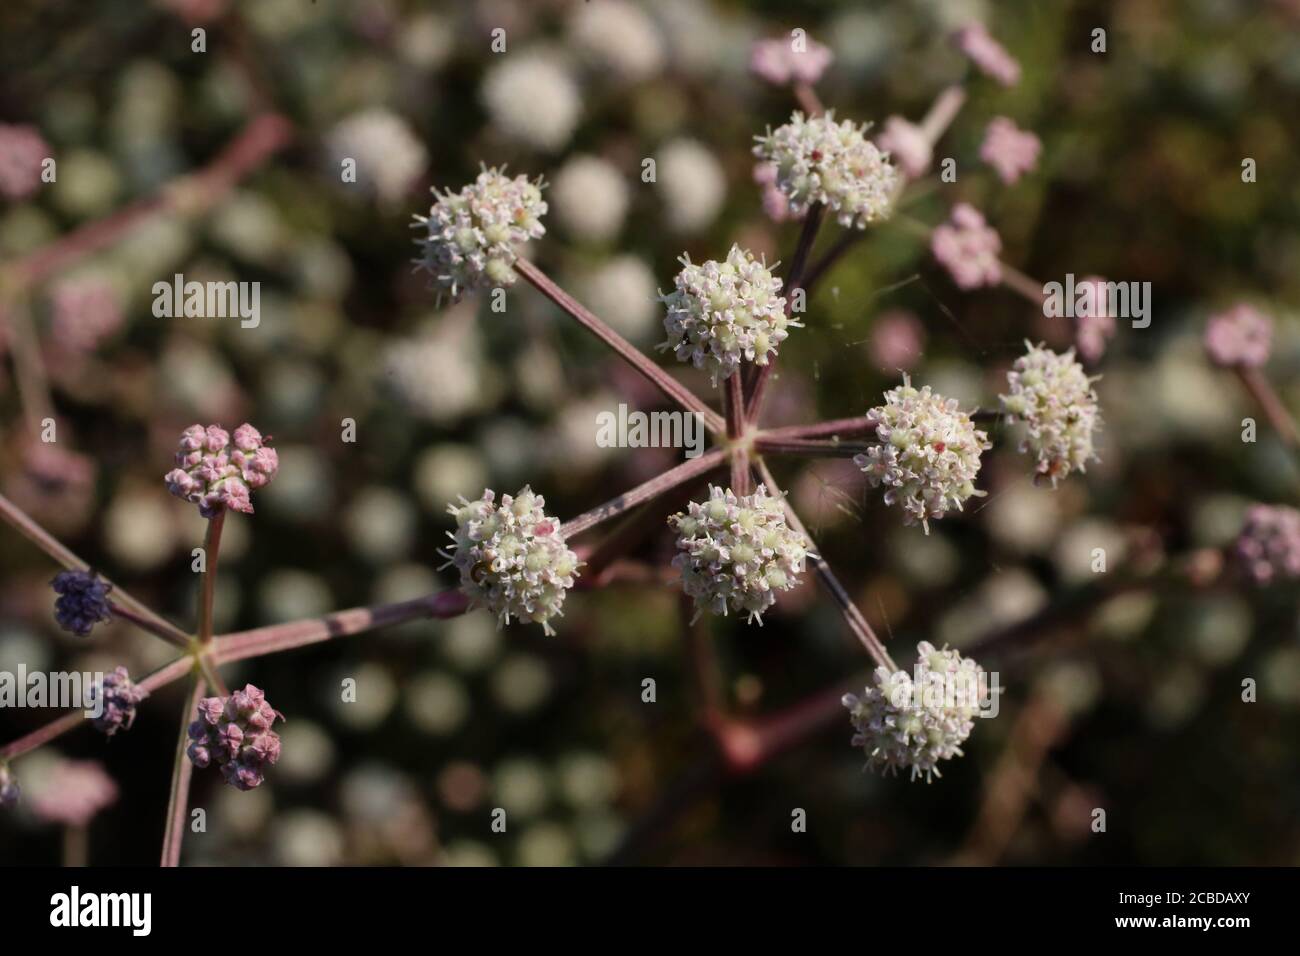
(618,36)
(590,198)
(692,184)
(446,471)
(439,374)
(436,702)
(379,524)
(307,838)
(622,291)
(389,157)
(531,97)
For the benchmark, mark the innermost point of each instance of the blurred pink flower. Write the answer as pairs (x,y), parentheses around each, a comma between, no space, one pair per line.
(897,339)
(1091,331)
(55,486)
(1011,151)
(1241,336)
(907,145)
(987,53)
(75,791)
(85,312)
(775,203)
(1269,544)
(22,150)
(777,61)
(968,248)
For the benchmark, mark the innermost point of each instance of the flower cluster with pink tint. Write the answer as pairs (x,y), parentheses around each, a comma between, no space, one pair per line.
(987,53)
(75,791)
(235,733)
(215,470)
(1239,338)
(22,151)
(1010,150)
(777,61)
(968,248)
(1268,547)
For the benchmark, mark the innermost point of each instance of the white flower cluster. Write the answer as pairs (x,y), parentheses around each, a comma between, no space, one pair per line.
(512,557)
(472,234)
(821,161)
(1053,396)
(928,453)
(737,552)
(914,724)
(723,312)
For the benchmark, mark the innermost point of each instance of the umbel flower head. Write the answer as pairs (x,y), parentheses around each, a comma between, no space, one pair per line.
(120,698)
(10,792)
(472,235)
(723,312)
(235,733)
(1053,396)
(928,453)
(511,557)
(821,161)
(1268,547)
(736,552)
(82,602)
(215,470)
(913,723)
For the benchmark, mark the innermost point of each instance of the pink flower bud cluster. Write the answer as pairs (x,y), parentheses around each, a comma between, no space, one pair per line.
(907,145)
(120,697)
(215,470)
(235,733)
(968,248)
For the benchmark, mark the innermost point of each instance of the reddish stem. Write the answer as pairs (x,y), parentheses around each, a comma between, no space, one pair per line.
(677,475)
(810,447)
(857,623)
(34,533)
(674,389)
(798,262)
(1262,391)
(178,802)
(835,428)
(357,620)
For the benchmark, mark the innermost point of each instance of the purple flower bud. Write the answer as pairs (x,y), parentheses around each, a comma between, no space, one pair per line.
(235,733)
(82,602)
(120,697)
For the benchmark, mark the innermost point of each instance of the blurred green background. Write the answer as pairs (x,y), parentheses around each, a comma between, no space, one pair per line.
(1140,179)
